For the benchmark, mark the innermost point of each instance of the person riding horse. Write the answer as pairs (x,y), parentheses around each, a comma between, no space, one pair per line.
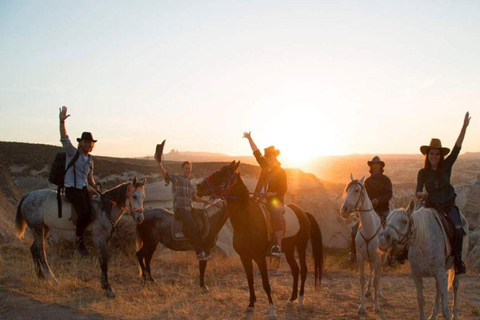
(272,185)
(78,178)
(439,192)
(379,190)
(183,192)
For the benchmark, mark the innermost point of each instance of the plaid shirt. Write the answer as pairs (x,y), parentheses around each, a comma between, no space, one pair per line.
(183,191)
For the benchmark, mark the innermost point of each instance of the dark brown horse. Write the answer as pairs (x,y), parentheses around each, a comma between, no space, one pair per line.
(156,228)
(250,238)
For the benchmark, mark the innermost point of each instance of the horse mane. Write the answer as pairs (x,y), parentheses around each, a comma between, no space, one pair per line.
(349,185)
(420,225)
(116,194)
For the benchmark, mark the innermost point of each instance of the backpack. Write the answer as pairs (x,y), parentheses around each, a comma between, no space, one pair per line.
(57,175)
(57,170)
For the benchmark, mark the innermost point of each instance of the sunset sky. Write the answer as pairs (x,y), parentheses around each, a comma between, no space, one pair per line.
(312,78)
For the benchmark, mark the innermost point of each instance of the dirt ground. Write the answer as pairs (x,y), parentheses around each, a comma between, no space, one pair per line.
(338,298)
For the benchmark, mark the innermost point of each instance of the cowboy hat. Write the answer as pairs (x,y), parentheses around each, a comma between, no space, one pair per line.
(376,159)
(87,136)
(271,150)
(435,144)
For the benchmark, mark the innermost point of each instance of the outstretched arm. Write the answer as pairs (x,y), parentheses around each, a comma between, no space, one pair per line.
(163,170)
(250,140)
(461,136)
(63,116)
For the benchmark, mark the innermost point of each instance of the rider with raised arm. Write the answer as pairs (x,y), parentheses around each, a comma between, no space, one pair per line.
(78,178)
(272,185)
(439,192)
(183,192)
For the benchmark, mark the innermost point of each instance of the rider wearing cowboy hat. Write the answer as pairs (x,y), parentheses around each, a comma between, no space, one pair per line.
(439,192)
(272,185)
(78,178)
(379,190)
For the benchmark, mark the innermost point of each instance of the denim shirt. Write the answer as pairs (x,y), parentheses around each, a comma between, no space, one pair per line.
(83,166)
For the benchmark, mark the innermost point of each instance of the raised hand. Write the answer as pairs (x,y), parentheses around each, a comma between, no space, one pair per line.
(466,121)
(63,114)
(247,135)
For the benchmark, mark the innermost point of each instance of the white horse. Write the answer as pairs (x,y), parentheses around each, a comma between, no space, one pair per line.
(38,209)
(366,240)
(427,253)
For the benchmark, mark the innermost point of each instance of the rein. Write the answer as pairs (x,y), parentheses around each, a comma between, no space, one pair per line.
(222,191)
(130,207)
(407,236)
(361,198)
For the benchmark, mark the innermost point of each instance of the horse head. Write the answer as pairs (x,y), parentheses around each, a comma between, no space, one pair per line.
(135,198)
(398,229)
(354,196)
(219,183)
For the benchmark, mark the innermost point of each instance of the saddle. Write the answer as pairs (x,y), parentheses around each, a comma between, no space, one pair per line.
(181,233)
(448,230)
(292,226)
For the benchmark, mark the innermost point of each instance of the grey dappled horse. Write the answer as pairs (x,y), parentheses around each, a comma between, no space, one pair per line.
(426,254)
(157,227)
(38,209)
(366,240)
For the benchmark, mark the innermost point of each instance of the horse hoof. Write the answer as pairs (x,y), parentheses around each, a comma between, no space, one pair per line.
(205,289)
(368,294)
(361,310)
(110,293)
(250,309)
(377,310)
(290,303)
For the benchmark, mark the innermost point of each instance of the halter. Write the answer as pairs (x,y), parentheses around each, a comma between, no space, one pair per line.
(361,198)
(221,191)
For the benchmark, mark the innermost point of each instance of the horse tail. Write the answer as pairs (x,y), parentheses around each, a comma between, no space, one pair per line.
(20,223)
(138,246)
(451,277)
(317,248)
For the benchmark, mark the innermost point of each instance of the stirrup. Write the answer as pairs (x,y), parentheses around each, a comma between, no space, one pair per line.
(202,256)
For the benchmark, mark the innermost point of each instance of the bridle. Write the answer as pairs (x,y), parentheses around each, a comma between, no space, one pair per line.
(404,238)
(130,207)
(222,190)
(361,197)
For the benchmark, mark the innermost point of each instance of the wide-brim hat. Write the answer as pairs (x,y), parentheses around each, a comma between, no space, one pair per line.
(87,136)
(376,159)
(435,144)
(271,150)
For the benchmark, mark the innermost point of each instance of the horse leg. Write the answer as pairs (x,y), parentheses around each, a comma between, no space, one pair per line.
(39,242)
(262,266)
(442,285)
(248,267)
(289,254)
(436,304)
(36,261)
(377,265)
(302,257)
(148,259)
(361,308)
(420,299)
(456,285)
(102,254)
(202,266)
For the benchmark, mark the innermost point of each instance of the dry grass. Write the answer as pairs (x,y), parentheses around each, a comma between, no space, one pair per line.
(178,296)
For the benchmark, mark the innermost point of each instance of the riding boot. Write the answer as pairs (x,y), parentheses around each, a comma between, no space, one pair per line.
(80,247)
(457,252)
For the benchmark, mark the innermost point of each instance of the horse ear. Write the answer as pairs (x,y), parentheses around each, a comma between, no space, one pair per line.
(411,207)
(351,176)
(361,180)
(235,167)
(134,182)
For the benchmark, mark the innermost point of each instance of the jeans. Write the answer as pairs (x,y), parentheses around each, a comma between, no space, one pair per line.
(186,218)
(82,203)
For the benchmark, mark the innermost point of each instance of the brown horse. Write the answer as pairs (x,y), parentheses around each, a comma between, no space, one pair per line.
(250,238)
